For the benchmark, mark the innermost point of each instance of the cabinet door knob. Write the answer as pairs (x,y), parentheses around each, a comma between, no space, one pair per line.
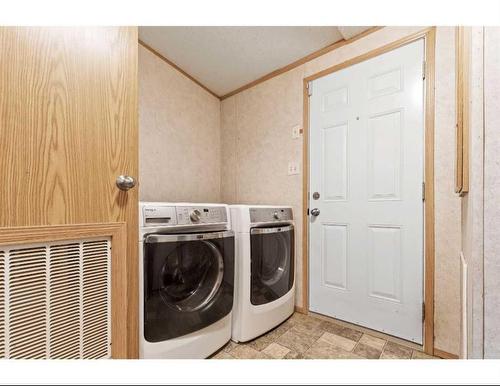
(125,182)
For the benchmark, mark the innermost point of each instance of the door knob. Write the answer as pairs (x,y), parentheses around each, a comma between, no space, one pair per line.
(125,182)
(315,212)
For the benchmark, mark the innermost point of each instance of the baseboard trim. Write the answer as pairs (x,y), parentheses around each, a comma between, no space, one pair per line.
(444,354)
(300,310)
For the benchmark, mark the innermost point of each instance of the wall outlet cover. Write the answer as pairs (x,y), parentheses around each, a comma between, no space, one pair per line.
(296,132)
(293,168)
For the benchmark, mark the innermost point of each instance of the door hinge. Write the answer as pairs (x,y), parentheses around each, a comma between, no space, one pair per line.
(423,69)
(309,88)
(423,312)
(423,191)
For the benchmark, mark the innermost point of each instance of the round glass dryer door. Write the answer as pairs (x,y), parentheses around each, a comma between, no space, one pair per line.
(274,266)
(191,275)
(272,263)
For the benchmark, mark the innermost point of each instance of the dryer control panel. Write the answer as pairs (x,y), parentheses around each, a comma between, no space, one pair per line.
(270,214)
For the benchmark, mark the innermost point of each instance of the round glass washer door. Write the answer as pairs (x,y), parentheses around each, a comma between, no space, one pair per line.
(191,275)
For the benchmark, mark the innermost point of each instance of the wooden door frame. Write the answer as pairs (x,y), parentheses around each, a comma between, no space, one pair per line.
(429,36)
(119,284)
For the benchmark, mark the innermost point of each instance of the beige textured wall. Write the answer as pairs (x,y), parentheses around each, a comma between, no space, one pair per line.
(179,127)
(481,206)
(447,203)
(257,146)
(472,205)
(491,190)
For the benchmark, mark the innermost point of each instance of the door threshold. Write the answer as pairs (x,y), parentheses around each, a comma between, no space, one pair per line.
(375,333)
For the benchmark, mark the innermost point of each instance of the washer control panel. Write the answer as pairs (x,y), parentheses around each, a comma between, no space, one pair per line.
(166,215)
(201,215)
(270,214)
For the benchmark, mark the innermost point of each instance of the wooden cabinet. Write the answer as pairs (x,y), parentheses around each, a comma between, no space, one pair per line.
(68,128)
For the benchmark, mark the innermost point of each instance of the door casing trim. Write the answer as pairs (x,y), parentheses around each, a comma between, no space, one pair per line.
(429,36)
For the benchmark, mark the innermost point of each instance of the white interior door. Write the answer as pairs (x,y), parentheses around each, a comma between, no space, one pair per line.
(366,163)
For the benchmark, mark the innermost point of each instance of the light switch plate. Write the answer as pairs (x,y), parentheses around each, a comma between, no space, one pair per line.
(293,168)
(296,132)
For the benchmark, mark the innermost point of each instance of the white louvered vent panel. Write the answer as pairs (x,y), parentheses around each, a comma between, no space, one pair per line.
(28,303)
(65,323)
(55,300)
(2,304)
(96,292)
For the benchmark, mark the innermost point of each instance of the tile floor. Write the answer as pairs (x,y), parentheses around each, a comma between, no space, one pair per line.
(312,337)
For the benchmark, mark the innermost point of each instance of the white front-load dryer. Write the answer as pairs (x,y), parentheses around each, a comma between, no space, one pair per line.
(186,272)
(265,269)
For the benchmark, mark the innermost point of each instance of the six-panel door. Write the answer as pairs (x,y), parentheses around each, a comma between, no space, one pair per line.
(366,163)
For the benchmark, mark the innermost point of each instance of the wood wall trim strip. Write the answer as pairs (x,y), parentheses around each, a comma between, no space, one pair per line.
(459,106)
(462,72)
(130,200)
(429,34)
(169,62)
(305,198)
(429,247)
(44,233)
(300,61)
(444,354)
(123,335)
(120,287)
(370,54)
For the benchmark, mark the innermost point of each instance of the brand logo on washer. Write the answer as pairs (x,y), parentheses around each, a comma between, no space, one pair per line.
(150,209)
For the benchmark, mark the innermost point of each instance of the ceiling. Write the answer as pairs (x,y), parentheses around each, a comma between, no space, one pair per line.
(224,59)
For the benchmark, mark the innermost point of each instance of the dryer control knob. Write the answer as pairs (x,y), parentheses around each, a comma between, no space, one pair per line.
(276,215)
(195,215)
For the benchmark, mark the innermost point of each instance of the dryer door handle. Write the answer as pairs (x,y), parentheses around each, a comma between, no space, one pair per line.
(276,229)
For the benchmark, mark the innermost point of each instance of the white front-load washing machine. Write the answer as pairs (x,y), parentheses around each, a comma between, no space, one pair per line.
(186,269)
(264,276)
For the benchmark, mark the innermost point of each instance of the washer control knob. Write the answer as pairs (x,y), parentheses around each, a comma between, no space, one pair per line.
(276,215)
(195,215)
